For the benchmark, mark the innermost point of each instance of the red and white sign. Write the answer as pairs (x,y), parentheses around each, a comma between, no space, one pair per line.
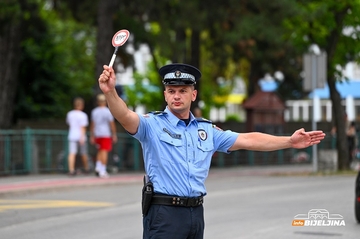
(120,38)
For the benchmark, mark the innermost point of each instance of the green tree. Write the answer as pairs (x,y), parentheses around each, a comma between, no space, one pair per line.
(11,19)
(47,59)
(334,26)
(148,94)
(57,64)
(227,39)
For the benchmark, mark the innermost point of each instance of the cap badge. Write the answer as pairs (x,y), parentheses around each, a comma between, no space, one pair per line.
(177,74)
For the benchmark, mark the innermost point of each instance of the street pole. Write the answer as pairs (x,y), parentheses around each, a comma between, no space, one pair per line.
(313,122)
(314,77)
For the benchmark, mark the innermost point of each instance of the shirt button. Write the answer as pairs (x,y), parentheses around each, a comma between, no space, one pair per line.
(188,145)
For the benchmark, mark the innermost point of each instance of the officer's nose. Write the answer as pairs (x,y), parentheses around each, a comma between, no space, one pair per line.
(177,95)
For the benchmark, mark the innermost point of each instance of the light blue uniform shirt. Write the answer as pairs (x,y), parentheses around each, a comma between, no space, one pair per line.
(177,157)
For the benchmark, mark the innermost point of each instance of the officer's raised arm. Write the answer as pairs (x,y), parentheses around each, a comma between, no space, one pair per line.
(126,117)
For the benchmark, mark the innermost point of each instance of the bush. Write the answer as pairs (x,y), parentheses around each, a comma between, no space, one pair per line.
(233,118)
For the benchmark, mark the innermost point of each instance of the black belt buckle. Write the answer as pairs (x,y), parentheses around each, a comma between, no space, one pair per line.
(188,202)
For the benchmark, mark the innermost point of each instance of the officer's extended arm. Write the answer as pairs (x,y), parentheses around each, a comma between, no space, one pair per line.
(266,142)
(127,118)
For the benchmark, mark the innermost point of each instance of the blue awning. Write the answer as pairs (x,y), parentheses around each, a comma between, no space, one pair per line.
(345,89)
(268,86)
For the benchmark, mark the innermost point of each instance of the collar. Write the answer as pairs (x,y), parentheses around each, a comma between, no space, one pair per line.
(175,120)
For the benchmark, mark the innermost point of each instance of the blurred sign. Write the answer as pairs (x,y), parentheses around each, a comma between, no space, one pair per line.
(315,71)
(236,98)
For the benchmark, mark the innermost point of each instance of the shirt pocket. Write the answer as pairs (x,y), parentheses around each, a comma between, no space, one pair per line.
(170,140)
(172,150)
(205,152)
(205,146)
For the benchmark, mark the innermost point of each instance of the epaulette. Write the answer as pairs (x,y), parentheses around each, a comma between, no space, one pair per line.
(200,119)
(157,112)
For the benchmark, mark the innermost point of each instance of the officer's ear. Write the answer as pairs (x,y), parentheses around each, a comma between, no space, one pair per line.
(194,94)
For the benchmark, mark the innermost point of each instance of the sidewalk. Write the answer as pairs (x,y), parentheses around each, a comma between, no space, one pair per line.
(28,183)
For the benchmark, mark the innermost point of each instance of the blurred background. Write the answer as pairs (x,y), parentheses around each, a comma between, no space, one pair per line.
(267,66)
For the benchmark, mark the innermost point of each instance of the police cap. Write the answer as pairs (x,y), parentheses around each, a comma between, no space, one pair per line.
(179,74)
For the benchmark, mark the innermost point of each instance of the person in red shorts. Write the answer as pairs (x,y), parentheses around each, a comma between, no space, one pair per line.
(102,134)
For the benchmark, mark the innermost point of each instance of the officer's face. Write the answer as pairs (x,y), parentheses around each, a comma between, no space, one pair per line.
(179,98)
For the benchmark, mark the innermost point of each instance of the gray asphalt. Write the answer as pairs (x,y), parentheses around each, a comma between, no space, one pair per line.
(243,202)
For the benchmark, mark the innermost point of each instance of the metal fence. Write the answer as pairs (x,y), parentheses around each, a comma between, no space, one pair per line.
(45,151)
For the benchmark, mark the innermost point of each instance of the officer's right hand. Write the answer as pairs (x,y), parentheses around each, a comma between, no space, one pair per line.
(107,79)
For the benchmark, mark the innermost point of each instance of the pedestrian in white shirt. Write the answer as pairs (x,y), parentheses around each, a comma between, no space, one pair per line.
(77,121)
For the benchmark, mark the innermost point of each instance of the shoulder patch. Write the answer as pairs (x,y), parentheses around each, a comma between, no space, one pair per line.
(200,119)
(216,127)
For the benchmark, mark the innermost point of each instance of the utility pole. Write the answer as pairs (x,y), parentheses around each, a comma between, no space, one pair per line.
(315,77)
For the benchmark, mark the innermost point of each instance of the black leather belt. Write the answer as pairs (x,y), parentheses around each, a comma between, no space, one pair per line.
(177,201)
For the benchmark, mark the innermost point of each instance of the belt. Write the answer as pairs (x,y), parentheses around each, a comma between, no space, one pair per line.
(177,201)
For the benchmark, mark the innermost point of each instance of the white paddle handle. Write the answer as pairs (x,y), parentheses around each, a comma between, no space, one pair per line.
(112,60)
(113,57)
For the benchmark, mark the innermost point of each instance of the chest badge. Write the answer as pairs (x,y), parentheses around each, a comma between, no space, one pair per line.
(202,134)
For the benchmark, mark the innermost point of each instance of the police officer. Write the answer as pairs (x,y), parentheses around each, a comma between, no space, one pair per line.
(177,150)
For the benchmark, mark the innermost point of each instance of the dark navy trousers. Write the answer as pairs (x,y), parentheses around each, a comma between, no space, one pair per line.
(165,222)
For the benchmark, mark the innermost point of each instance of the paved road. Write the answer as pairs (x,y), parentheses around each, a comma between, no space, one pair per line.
(241,203)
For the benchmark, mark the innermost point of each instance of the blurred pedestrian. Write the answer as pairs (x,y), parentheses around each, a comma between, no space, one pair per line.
(350,130)
(102,134)
(352,141)
(77,121)
(177,152)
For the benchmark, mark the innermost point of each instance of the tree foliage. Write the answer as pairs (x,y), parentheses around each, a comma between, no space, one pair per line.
(65,44)
(334,27)
(11,18)
(146,91)
(57,64)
